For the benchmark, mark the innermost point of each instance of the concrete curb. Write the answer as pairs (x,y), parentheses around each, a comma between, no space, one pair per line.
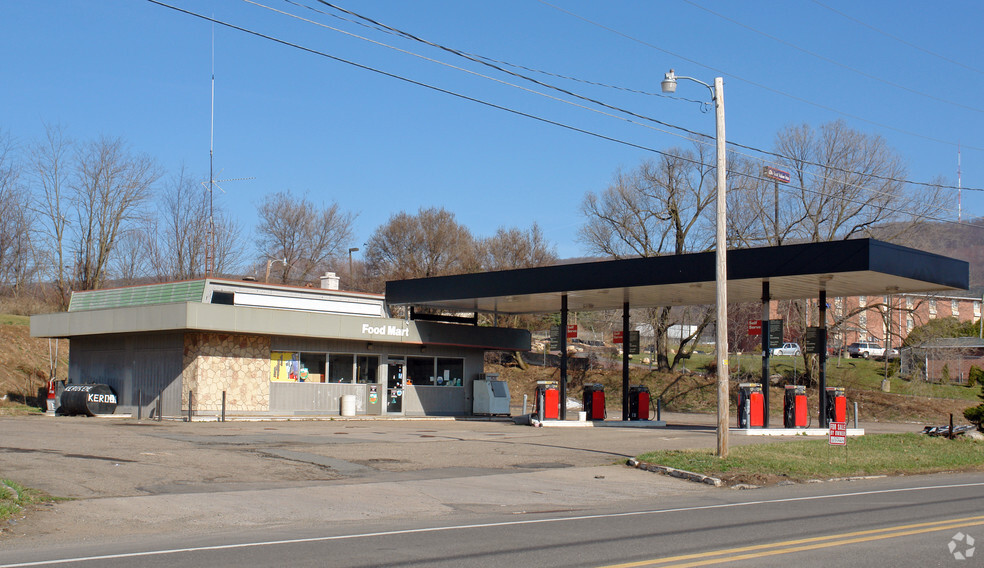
(673,472)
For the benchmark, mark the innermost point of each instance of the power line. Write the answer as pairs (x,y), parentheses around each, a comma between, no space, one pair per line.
(410,81)
(472,57)
(833,61)
(383,29)
(459,95)
(899,39)
(755,84)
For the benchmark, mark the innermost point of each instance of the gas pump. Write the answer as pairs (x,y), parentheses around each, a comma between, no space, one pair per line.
(794,412)
(594,401)
(547,401)
(751,410)
(836,405)
(638,402)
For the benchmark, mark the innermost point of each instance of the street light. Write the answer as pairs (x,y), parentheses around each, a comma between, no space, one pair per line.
(721,265)
(270,261)
(351,250)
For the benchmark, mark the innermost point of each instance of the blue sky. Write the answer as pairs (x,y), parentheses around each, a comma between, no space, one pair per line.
(377,145)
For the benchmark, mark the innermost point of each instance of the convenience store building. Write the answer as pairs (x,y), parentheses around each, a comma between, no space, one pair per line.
(271,350)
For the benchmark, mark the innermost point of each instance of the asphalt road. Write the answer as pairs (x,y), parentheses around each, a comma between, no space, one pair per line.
(872,523)
(414,493)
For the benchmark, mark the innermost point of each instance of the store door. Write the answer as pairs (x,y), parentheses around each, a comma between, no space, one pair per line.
(394,387)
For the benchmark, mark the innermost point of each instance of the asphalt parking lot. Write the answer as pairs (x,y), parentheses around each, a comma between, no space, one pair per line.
(125,475)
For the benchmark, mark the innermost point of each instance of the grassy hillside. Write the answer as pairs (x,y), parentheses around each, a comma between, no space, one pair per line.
(24,361)
(908,401)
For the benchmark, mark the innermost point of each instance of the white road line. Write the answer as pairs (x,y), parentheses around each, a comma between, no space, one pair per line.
(477,526)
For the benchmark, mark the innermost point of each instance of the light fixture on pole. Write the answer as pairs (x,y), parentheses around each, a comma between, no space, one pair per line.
(669,85)
(270,261)
(351,250)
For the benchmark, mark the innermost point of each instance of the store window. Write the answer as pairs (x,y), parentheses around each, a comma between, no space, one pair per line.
(420,370)
(366,367)
(313,367)
(450,371)
(932,307)
(341,368)
(955,308)
(285,366)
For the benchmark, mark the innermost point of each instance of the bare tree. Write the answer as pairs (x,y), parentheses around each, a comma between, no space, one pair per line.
(110,189)
(847,184)
(309,238)
(656,209)
(17,252)
(50,168)
(515,248)
(177,240)
(430,243)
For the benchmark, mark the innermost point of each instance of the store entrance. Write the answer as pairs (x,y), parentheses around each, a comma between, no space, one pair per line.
(395,381)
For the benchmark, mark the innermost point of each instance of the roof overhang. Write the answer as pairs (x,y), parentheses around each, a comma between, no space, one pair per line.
(214,318)
(842,268)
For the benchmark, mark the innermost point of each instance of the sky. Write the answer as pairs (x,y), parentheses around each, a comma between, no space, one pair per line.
(341,112)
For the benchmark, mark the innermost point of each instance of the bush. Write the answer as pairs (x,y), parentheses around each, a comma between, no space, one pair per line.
(975,376)
(975,414)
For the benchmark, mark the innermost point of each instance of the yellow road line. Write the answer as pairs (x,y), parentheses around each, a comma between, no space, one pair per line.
(799,545)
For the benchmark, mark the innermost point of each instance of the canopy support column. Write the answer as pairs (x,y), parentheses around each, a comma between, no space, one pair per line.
(563,357)
(765,351)
(625,361)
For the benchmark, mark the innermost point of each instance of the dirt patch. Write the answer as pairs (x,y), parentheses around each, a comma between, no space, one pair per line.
(24,363)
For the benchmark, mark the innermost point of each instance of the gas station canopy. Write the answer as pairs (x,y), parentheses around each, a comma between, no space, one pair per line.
(843,268)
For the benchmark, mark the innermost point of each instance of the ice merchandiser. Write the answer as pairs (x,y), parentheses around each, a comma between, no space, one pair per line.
(491,396)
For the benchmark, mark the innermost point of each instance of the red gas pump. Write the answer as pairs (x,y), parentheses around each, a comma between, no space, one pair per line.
(794,413)
(836,405)
(547,401)
(639,402)
(751,408)
(51,397)
(594,401)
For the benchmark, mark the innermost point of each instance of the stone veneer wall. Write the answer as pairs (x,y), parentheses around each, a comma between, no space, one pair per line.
(236,364)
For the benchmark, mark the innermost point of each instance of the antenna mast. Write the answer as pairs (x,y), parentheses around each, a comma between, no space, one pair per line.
(959,190)
(210,236)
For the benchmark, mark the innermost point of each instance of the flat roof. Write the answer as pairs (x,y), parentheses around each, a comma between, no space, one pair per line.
(856,267)
(218,318)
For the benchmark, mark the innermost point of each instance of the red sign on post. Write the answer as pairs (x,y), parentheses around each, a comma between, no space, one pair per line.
(571,330)
(616,337)
(838,434)
(754,327)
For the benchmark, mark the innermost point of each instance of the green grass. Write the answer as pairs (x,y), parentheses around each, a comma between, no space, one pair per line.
(15,498)
(9,408)
(875,454)
(10,319)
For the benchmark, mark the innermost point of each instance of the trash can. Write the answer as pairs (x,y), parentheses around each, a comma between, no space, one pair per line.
(836,405)
(639,402)
(794,412)
(547,401)
(594,401)
(87,400)
(348,405)
(751,409)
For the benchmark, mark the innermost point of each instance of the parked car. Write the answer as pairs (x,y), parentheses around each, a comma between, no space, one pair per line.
(787,349)
(865,350)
